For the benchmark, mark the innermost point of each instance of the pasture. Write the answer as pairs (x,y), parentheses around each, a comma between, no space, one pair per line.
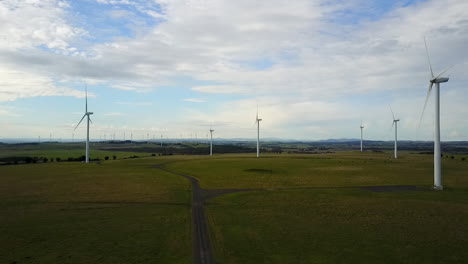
(304,209)
(121,211)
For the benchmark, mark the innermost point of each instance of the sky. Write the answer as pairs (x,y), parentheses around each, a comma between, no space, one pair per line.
(176,68)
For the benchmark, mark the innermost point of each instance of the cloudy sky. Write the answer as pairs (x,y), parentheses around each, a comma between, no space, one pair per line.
(176,67)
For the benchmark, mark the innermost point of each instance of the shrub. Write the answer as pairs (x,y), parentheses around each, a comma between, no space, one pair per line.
(153,155)
(114,157)
(452,157)
(463,158)
(106,157)
(58,159)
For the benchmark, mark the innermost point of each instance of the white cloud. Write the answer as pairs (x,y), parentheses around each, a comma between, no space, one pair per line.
(15,84)
(27,24)
(194,100)
(303,65)
(135,103)
(8,111)
(114,114)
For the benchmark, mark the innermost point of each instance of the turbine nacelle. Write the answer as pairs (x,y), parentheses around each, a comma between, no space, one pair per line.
(439,80)
(89,113)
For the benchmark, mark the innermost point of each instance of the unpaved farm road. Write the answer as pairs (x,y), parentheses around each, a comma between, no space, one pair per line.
(201,245)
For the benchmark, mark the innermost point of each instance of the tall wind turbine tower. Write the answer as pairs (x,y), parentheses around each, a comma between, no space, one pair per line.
(257,122)
(211,142)
(437,80)
(395,123)
(362,127)
(86,114)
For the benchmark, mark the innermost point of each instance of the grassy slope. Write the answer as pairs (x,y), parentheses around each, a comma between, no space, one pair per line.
(114,212)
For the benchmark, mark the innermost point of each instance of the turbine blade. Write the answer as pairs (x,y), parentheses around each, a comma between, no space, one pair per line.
(257,113)
(440,74)
(79,122)
(90,120)
(392,112)
(428,58)
(86,97)
(425,103)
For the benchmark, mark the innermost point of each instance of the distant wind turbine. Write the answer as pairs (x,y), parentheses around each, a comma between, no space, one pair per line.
(437,151)
(395,123)
(211,142)
(361,134)
(86,114)
(257,122)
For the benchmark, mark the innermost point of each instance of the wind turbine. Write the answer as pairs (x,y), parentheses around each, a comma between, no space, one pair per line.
(211,142)
(437,152)
(86,114)
(395,123)
(257,122)
(361,134)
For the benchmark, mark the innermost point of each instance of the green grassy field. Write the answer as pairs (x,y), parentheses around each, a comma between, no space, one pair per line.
(120,211)
(62,151)
(334,225)
(340,226)
(125,211)
(333,169)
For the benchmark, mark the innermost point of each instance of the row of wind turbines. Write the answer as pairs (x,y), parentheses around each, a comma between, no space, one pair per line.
(435,80)
(394,125)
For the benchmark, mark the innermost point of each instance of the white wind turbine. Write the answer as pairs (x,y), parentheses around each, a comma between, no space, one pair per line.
(437,151)
(257,122)
(361,134)
(211,142)
(86,114)
(395,123)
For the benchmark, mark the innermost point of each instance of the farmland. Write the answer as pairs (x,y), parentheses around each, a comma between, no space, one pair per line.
(280,208)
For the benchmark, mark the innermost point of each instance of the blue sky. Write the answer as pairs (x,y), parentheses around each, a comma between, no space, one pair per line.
(176,67)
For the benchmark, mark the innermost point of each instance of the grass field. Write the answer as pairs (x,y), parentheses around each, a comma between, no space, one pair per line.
(120,211)
(335,225)
(62,151)
(340,226)
(333,169)
(125,211)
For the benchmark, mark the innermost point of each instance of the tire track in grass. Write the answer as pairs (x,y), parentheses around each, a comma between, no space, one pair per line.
(201,244)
